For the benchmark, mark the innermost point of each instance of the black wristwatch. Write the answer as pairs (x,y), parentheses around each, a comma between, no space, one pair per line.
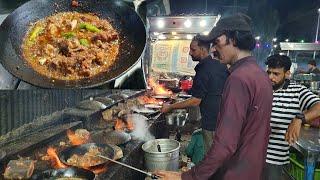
(302,117)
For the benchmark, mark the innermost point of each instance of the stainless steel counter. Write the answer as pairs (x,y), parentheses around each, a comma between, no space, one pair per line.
(309,145)
(309,139)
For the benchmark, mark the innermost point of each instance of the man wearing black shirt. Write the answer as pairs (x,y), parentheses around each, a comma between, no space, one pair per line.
(206,90)
(312,65)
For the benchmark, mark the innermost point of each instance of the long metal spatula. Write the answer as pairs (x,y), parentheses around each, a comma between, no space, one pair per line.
(153,176)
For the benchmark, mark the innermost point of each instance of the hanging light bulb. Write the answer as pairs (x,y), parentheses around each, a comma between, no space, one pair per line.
(176,37)
(161,36)
(258,45)
(160,24)
(205,33)
(189,36)
(187,23)
(203,23)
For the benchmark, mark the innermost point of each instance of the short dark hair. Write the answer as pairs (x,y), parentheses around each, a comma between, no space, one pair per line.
(312,62)
(244,40)
(201,43)
(279,61)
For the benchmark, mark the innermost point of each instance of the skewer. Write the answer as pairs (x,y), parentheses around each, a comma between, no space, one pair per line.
(153,176)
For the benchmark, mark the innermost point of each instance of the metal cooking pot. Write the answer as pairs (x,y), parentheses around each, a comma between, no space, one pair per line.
(167,159)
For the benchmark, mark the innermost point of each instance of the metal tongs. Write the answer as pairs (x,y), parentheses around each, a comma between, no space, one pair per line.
(153,176)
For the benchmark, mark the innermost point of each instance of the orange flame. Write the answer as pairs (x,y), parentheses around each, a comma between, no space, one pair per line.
(149,100)
(76,140)
(55,161)
(130,125)
(158,89)
(120,125)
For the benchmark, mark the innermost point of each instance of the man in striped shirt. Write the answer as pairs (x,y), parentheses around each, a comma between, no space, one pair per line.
(293,105)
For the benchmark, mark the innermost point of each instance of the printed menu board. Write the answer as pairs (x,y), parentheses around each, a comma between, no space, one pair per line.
(172,56)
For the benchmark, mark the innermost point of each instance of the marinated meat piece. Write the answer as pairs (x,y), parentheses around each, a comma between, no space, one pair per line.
(107,115)
(100,44)
(99,58)
(86,64)
(73,24)
(104,37)
(88,159)
(53,30)
(50,50)
(53,65)
(101,37)
(118,152)
(82,134)
(85,73)
(64,49)
(113,37)
(65,68)
(73,43)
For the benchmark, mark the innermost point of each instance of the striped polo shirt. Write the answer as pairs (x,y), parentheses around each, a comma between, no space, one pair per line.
(288,101)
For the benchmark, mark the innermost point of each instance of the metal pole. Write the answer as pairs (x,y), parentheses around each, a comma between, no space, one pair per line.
(206,6)
(317,32)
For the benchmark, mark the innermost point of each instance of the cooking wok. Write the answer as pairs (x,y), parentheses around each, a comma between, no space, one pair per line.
(64,173)
(123,18)
(82,149)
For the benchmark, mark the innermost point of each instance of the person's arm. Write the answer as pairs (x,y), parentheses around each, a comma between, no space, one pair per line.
(235,104)
(199,90)
(310,106)
(181,105)
(317,71)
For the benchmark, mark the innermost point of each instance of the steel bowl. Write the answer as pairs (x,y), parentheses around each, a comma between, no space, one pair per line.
(177,117)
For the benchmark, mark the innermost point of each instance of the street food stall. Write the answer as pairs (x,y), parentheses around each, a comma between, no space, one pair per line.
(308,144)
(300,53)
(169,39)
